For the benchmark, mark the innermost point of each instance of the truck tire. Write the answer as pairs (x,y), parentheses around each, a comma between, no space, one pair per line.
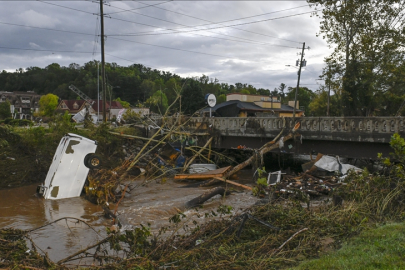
(92,161)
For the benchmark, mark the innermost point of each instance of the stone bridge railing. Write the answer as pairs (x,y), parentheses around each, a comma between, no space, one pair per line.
(363,129)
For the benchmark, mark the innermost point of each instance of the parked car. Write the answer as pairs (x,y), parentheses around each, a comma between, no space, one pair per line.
(73,159)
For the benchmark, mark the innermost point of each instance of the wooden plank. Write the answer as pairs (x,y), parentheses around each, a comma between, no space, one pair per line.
(233,183)
(204,175)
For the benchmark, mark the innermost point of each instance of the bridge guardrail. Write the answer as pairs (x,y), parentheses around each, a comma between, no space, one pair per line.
(372,129)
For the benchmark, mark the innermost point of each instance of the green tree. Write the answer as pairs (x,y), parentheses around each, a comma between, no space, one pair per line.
(304,96)
(319,103)
(221,98)
(124,104)
(158,102)
(5,111)
(192,97)
(48,104)
(281,90)
(368,57)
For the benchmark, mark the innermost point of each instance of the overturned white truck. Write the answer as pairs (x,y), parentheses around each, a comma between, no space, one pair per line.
(70,165)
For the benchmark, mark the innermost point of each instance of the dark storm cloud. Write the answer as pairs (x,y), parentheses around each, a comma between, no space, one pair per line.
(254,53)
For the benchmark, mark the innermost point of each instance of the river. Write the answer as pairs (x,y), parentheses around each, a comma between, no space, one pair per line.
(152,203)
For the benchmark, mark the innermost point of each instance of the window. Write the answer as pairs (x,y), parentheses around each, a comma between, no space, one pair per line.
(25,100)
(75,106)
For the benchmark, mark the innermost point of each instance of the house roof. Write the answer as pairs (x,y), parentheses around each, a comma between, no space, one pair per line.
(70,103)
(233,107)
(108,106)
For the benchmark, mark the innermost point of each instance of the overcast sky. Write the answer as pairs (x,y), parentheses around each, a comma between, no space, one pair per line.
(234,41)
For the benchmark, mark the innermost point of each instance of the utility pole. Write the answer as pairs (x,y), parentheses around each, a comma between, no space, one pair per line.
(103,86)
(298,82)
(329,79)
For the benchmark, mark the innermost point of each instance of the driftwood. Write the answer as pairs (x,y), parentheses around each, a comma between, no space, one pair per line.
(105,240)
(206,196)
(233,183)
(204,175)
(288,240)
(261,152)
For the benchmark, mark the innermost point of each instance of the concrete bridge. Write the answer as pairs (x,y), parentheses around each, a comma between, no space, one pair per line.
(356,137)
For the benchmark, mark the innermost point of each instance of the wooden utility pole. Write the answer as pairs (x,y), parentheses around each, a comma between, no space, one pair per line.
(298,82)
(103,86)
(329,79)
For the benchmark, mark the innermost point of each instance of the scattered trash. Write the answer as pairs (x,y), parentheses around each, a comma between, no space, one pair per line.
(197,242)
(11,158)
(332,164)
(200,168)
(320,177)
(274,178)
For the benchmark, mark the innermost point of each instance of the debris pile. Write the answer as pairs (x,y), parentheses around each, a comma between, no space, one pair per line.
(308,184)
(322,176)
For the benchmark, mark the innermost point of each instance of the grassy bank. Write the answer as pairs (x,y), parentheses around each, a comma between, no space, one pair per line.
(380,248)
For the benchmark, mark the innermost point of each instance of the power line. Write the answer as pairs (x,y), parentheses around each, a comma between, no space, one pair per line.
(73,32)
(218,27)
(40,50)
(249,41)
(49,29)
(210,22)
(241,39)
(62,6)
(177,49)
(139,7)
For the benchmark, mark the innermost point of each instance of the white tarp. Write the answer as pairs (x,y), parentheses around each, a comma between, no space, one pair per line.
(332,164)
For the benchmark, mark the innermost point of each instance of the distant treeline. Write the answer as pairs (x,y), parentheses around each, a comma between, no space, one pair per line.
(134,84)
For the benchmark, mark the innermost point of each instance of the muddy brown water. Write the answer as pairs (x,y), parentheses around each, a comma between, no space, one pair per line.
(153,203)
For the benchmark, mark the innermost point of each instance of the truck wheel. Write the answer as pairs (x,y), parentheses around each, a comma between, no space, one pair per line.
(92,161)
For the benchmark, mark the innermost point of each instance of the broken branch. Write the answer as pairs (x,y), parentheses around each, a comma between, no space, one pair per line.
(199,152)
(233,183)
(288,240)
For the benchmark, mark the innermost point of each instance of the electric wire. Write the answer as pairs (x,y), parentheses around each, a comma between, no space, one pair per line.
(246,23)
(248,41)
(210,22)
(79,10)
(177,49)
(49,29)
(203,25)
(42,50)
(139,7)
(240,39)
(218,27)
